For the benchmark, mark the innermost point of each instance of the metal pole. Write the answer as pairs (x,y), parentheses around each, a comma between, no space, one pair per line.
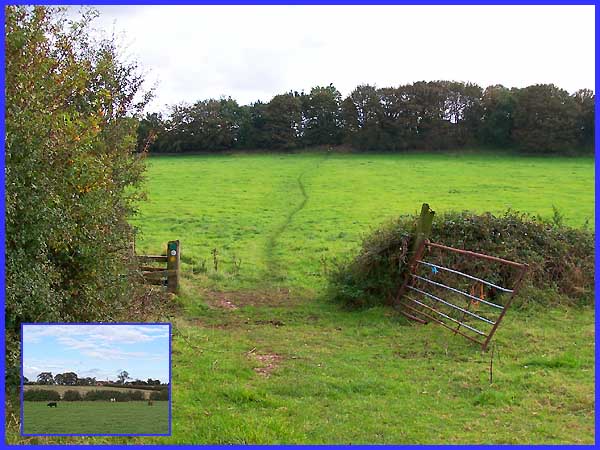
(515,290)
(173,259)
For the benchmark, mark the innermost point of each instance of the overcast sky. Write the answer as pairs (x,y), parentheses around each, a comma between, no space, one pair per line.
(255,52)
(99,351)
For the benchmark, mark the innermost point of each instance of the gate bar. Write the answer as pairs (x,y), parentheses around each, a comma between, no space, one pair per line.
(521,275)
(458,291)
(481,333)
(476,255)
(451,304)
(443,324)
(467,276)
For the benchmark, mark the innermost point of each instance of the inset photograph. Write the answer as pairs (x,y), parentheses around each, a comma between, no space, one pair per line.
(95,379)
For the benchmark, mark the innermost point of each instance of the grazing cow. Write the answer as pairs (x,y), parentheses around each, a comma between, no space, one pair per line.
(52,404)
(150,403)
(113,400)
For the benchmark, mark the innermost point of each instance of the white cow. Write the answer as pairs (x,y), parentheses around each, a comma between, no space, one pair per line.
(113,400)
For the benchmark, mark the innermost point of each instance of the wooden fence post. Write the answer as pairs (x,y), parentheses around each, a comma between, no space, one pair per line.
(423,226)
(422,233)
(173,256)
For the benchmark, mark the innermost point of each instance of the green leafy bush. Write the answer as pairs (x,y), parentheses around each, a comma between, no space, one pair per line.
(72,396)
(560,259)
(378,269)
(40,395)
(71,172)
(160,395)
(120,396)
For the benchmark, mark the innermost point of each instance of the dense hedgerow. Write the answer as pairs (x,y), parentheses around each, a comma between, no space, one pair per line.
(40,395)
(120,396)
(160,395)
(560,259)
(72,396)
(71,175)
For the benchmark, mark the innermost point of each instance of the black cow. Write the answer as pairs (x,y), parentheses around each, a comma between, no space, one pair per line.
(52,404)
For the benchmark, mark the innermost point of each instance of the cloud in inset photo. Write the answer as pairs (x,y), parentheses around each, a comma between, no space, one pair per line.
(95,350)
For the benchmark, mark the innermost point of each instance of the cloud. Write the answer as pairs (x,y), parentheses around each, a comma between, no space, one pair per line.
(99,342)
(254,52)
(85,335)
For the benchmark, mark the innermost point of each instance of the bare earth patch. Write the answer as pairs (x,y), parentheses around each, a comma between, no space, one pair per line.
(269,361)
(198,322)
(237,299)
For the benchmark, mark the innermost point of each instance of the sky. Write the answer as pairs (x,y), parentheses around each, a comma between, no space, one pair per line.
(255,52)
(99,351)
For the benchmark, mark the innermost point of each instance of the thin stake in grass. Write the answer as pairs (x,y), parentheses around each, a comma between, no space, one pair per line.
(215,255)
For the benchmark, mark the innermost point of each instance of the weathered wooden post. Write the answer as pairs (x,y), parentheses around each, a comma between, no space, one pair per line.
(173,257)
(422,233)
(423,226)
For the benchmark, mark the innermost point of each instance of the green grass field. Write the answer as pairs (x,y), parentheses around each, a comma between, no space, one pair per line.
(282,215)
(261,356)
(96,418)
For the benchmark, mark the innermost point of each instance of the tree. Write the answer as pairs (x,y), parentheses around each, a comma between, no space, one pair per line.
(498,104)
(215,124)
(283,121)
(123,376)
(545,119)
(462,110)
(253,127)
(322,122)
(585,102)
(70,379)
(59,379)
(152,133)
(87,381)
(25,380)
(362,112)
(45,378)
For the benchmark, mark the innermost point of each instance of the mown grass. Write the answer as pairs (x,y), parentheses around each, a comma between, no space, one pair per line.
(96,418)
(262,356)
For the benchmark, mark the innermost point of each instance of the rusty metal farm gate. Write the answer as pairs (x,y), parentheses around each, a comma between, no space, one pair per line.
(438,287)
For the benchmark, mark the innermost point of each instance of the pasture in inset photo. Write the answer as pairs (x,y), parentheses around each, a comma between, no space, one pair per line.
(95,379)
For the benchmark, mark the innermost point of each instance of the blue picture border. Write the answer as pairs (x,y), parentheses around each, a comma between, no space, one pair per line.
(266,2)
(21,385)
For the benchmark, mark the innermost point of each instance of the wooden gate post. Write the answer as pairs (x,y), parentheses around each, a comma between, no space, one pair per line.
(422,233)
(423,226)
(173,257)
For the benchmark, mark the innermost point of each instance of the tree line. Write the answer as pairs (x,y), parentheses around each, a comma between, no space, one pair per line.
(433,115)
(72,379)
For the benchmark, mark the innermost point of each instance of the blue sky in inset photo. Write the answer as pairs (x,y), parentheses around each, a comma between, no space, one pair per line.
(97,350)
